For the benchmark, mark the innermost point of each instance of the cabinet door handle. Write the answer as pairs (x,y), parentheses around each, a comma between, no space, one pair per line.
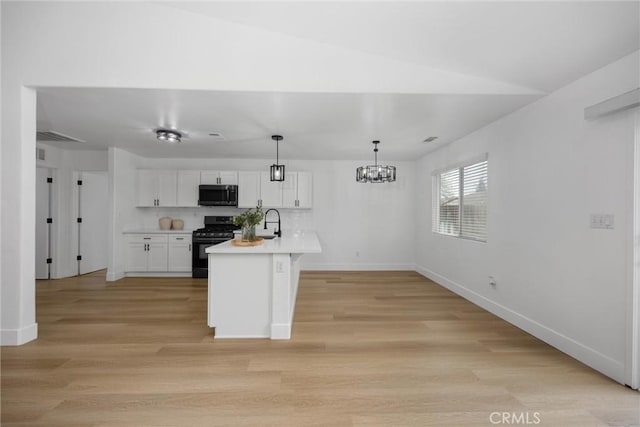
(146,238)
(179,238)
(189,247)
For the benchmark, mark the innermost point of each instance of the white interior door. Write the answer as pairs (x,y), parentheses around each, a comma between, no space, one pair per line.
(42,228)
(93,228)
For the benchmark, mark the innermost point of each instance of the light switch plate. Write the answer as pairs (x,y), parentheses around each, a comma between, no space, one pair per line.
(605,221)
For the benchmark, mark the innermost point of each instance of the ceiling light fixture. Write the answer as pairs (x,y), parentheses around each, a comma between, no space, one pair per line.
(277,171)
(171,136)
(376,173)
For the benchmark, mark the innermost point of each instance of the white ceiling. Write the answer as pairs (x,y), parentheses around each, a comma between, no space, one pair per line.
(502,55)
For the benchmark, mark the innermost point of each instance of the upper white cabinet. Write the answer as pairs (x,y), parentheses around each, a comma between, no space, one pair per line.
(256,189)
(297,190)
(187,188)
(219,177)
(157,187)
(248,189)
(270,191)
(179,188)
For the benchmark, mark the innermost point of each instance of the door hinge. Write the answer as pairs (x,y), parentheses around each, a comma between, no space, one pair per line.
(49,260)
(79,220)
(49,180)
(79,258)
(49,220)
(79,182)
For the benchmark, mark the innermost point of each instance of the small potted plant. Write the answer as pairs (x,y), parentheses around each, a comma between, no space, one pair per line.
(248,221)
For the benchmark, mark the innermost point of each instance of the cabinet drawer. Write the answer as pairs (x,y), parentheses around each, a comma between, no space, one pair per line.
(147,238)
(180,238)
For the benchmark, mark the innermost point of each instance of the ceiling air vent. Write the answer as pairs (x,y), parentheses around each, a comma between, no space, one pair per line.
(216,136)
(52,136)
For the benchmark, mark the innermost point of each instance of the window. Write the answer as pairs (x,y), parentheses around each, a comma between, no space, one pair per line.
(460,201)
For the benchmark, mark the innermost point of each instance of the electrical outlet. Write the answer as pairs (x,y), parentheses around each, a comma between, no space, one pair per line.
(492,281)
(602,221)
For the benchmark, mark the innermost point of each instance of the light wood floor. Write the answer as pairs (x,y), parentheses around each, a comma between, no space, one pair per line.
(383,348)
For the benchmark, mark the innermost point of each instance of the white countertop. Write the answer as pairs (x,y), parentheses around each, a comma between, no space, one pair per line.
(156,231)
(304,243)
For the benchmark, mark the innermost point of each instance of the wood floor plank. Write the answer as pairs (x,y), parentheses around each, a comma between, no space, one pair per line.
(368,349)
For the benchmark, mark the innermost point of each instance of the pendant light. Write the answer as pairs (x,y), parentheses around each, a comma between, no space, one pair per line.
(376,173)
(277,171)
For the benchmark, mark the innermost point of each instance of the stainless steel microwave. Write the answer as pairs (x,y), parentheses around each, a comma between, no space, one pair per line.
(218,195)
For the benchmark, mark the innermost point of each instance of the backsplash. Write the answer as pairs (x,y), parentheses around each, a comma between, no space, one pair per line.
(291,219)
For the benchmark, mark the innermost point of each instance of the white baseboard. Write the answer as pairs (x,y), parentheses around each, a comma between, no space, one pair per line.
(590,357)
(280,331)
(159,274)
(112,276)
(359,267)
(233,337)
(19,336)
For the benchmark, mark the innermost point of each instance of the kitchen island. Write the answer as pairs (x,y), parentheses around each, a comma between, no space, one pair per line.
(252,290)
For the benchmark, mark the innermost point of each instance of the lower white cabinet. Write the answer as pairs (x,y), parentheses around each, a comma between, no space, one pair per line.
(179,258)
(158,253)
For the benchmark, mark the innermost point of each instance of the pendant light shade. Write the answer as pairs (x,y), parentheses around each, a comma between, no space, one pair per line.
(277,170)
(376,173)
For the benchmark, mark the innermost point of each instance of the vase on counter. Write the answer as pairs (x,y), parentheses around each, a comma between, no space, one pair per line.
(165,223)
(248,232)
(177,224)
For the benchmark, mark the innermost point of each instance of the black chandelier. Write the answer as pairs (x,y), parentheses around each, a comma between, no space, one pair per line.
(376,173)
(277,171)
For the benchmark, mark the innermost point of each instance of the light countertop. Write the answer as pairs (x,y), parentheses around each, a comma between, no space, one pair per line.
(303,243)
(157,231)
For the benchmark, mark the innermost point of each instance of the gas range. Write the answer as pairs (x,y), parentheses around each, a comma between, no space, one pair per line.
(216,230)
(209,232)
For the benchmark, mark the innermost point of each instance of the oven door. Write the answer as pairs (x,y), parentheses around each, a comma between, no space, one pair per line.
(200,261)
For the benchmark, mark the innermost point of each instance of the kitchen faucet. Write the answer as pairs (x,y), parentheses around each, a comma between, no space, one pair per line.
(279,232)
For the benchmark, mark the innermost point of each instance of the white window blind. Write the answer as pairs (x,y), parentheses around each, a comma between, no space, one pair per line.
(460,205)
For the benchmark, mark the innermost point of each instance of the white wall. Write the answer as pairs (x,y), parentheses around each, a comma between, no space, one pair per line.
(360,226)
(549,169)
(66,163)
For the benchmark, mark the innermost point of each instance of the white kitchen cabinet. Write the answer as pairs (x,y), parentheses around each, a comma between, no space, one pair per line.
(137,256)
(179,257)
(248,189)
(305,190)
(297,190)
(157,187)
(157,253)
(219,177)
(270,191)
(146,252)
(187,188)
